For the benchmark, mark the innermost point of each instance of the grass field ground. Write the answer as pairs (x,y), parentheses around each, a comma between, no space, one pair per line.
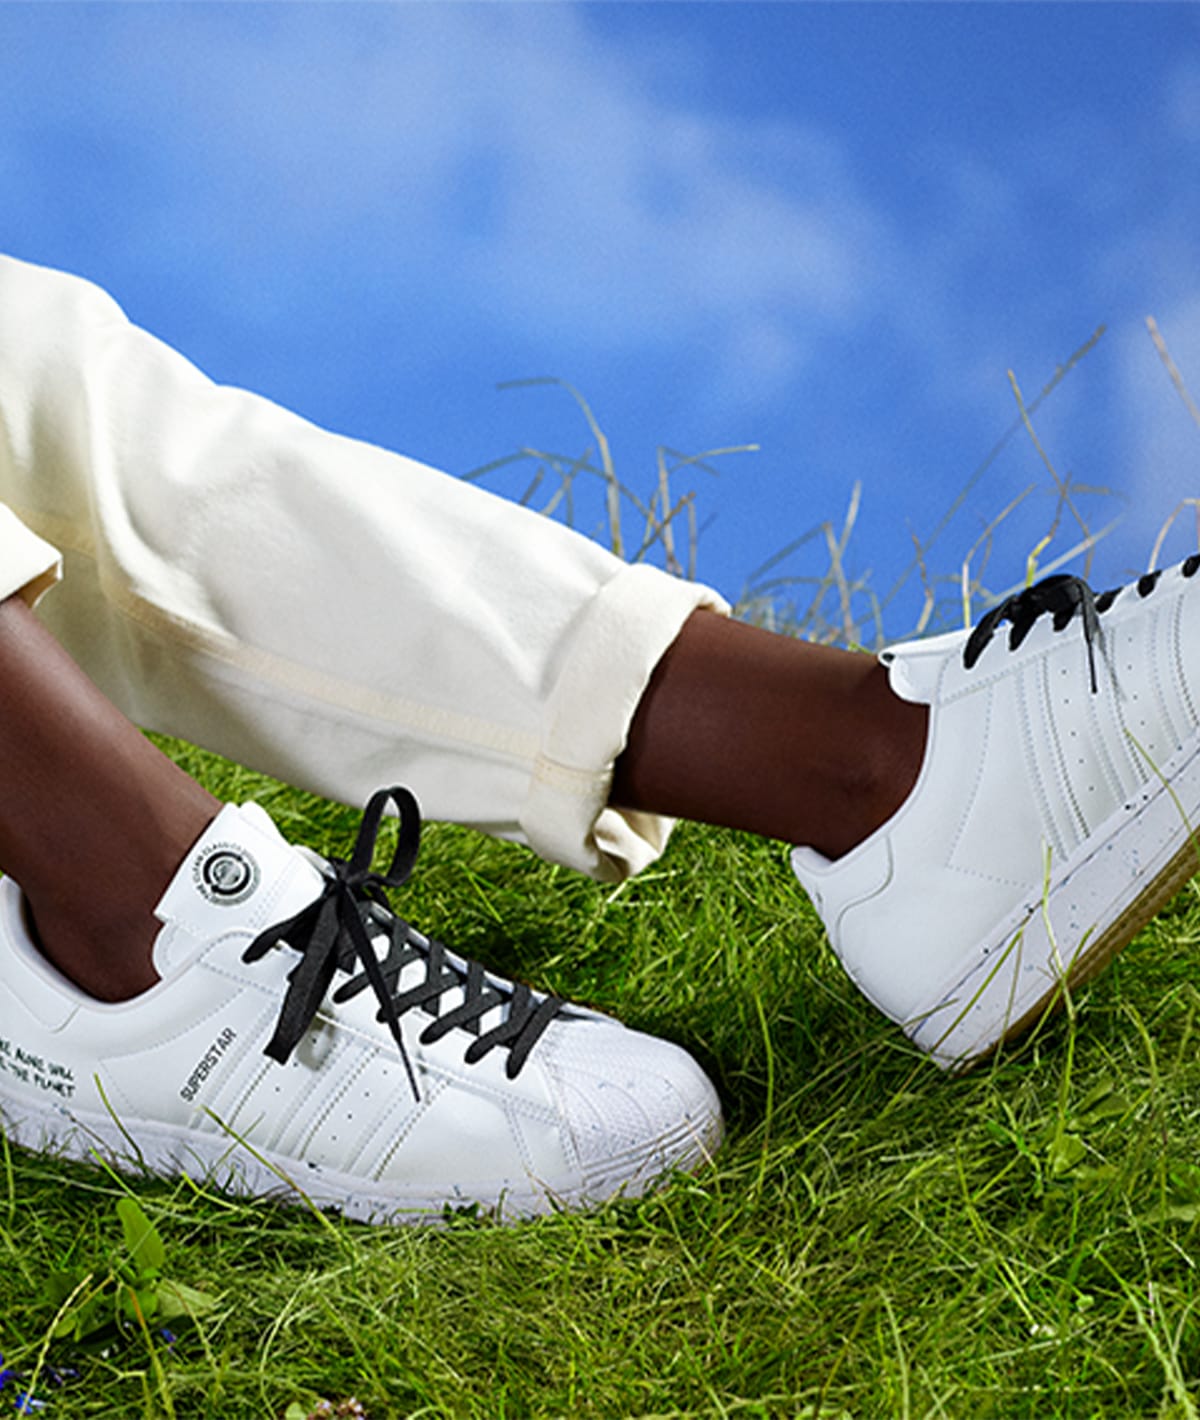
(873,1240)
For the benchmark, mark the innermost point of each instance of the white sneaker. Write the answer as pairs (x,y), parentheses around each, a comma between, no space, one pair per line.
(1052,817)
(440,1085)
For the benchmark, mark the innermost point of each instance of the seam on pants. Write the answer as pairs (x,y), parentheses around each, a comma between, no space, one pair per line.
(580,783)
(285,674)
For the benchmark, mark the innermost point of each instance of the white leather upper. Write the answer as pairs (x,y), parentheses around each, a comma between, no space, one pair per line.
(188,1053)
(1023,762)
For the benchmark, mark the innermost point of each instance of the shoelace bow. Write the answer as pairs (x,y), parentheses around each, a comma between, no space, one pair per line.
(331,934)
(1060,597)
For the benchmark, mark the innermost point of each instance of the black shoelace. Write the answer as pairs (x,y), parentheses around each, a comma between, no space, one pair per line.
(1060,597)
(331,935)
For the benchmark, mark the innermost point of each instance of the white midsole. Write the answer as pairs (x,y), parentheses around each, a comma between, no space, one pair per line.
(145,1146)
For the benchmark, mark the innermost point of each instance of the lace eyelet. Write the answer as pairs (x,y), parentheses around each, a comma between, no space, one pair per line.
(1059,596)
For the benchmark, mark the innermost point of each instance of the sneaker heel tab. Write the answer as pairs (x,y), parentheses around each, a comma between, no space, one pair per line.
(809,867)
(42,990)
(837,885)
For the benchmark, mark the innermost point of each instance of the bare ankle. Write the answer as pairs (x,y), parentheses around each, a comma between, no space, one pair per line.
(872,783)
(109,961)
(784,738)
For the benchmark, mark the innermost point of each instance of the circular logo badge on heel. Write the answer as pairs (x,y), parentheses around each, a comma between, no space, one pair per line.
(225,874)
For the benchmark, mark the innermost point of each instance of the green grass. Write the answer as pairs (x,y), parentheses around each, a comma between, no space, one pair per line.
(873,1240)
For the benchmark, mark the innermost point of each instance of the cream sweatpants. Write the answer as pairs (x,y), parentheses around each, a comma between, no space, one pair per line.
(313,606)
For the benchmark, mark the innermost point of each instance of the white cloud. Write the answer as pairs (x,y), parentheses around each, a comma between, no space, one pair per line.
(506,152)
(516,167)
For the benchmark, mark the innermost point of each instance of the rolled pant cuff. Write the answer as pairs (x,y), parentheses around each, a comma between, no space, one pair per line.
(626,629)
(29,566)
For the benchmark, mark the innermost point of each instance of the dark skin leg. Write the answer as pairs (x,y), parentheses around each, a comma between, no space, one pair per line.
(782,737)
(94,820)
(737,727)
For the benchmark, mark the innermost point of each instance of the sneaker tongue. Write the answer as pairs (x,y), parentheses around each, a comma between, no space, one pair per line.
(915,668)
(240,875)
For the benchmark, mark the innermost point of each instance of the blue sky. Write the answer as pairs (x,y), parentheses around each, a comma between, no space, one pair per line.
(827,229)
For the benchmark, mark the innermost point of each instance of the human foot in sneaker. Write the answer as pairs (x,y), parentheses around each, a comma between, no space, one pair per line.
(1052,818)
(397,1079)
